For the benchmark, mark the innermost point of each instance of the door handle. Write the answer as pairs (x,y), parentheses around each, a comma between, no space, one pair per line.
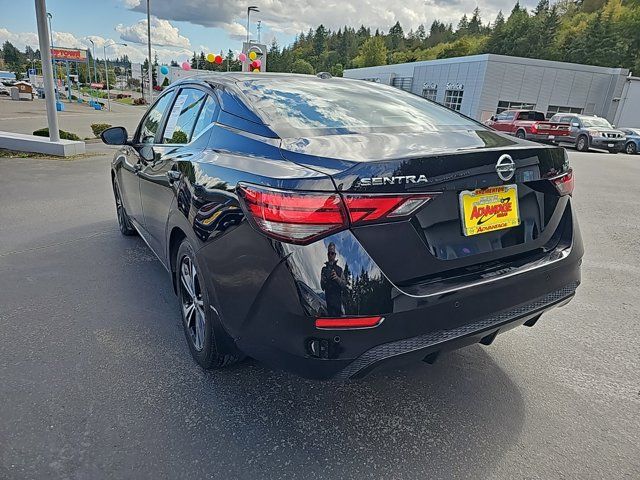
(173,175)
(136,168)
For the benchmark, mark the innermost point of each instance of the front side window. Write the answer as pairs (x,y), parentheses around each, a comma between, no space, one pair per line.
(297,106)
(453,99)
(183,116)
(151,122)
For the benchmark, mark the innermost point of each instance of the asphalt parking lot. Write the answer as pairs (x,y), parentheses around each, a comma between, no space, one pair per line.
(96,380)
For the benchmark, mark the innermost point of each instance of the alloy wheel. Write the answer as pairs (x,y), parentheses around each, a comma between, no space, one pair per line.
(122,220)
(631,148)
(192,303)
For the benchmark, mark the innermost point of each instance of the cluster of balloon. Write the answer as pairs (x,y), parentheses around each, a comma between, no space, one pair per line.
(186,66)
(255,62)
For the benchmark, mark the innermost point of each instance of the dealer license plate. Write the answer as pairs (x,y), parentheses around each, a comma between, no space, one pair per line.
(489,209)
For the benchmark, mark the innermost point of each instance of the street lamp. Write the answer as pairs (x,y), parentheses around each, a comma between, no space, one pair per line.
(149,71)
(106,70)
(53,62)
(95,67)
(250,9)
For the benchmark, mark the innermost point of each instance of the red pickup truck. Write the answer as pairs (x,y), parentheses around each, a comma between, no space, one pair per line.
(529,124)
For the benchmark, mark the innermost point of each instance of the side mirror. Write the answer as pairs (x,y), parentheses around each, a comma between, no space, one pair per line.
(493,118)
(115,136)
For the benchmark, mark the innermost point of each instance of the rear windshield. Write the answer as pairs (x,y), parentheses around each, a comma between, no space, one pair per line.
(535,116)
(298,106)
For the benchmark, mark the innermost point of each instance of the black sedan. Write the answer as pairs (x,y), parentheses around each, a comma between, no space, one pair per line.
(329,226)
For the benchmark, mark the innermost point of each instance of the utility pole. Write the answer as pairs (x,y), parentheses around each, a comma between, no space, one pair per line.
(150,72)
(47,70)
(250,9)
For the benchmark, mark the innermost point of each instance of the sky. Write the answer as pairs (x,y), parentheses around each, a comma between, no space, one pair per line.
(180,27)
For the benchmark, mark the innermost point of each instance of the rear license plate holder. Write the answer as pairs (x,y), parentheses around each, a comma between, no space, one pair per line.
(489,209)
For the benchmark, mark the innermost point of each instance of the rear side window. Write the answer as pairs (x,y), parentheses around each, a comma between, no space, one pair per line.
(531,116)
(183,116)
(206,117)
(152,121)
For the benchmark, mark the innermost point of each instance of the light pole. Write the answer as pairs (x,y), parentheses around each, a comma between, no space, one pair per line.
(250,9)
(149,71)
(106,70)
(95,66)
(47,70)
(53,62)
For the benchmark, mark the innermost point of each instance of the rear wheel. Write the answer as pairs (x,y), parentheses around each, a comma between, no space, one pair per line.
(124,222)
(582,144)
(521,134)
(630,148)
(198,318)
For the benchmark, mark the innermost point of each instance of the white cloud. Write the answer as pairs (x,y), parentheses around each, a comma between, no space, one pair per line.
(136,53)
(294,16)
(162,33)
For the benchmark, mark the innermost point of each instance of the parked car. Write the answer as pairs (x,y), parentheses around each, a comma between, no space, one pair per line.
(328,225)
(590,131)
(4,90)
(632,143)
(528,124)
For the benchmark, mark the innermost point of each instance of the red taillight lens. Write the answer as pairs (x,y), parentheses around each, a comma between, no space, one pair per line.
(564,183)
(348,322)
(293,217)
(375,208)
(303,217)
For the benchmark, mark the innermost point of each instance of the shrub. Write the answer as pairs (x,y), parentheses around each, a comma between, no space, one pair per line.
(139,101)
(98,128)
(44,132)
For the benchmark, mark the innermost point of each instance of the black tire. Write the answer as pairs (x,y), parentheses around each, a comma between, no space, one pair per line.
(521,134)
(200,323)
(582,143)
(630,148)
(124,222)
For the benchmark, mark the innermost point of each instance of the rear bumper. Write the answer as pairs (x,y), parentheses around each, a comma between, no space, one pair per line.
(545,137)
(428,346)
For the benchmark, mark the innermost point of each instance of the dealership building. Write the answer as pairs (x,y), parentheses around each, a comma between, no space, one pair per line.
(480,86)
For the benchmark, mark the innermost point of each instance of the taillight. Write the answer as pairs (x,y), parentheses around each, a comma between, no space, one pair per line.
(303,217)
(293,217)
(534,128)
(376,208)
(564,183)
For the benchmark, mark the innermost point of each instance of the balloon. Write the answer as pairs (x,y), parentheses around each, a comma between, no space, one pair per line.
(218,59)
(242,57)
(254,65)
(256,70)
(164,70)
(211,57)
(258,63)
(253,55)
(186,66)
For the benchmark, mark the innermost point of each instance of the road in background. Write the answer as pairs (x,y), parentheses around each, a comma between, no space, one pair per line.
(96,380)
(28,116)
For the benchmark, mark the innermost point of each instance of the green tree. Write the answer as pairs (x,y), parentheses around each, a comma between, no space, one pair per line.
(302,66)
(373,52)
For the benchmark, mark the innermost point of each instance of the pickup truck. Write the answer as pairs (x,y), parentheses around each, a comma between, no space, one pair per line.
(529,124)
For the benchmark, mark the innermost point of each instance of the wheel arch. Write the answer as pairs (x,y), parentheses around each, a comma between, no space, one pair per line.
(176,237)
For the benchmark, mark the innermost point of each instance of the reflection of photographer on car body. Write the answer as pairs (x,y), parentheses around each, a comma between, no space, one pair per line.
(332,282)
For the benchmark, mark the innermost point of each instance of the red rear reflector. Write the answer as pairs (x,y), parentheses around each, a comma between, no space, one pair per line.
(344,322)
(564,183)
(375,208)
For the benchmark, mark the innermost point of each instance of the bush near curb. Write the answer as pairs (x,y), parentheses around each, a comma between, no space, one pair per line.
(98,128)
(44,132)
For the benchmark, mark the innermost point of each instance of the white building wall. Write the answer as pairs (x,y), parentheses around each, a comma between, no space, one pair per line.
(628,112)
